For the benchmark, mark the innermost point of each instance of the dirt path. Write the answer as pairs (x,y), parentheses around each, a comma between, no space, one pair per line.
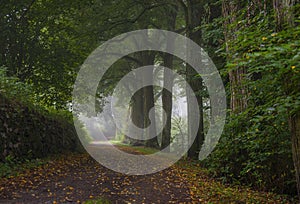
(76,178)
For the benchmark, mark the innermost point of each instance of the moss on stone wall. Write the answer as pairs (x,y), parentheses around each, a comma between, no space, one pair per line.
(26,132)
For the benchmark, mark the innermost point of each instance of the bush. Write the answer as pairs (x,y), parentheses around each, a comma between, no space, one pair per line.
(28,130)
(11,87)
(255,148)
(251,151)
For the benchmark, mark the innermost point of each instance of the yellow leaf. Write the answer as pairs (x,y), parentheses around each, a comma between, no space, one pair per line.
(264,38)
(273,34)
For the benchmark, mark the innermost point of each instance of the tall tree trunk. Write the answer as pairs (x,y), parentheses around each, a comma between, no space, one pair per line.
(193,15)
(283,14)
(167,104)
(238,98)
(148,58)
(137,115)
(197,87)
(168,84)
(148,105)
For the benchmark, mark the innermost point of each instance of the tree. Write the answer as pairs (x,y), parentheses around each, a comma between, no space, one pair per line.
(284,16)
(148,58)
(168,80)
(262,71)
(38,47)
(193,12)
(238,91)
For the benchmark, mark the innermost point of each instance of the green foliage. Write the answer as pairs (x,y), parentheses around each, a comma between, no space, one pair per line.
(30,132)
(39,46)
(11,87)
(82,132)
(255,148)
(140,149)
(13,166)
(43,43)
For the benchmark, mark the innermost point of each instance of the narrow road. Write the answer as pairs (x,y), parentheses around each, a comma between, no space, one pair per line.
(76,178)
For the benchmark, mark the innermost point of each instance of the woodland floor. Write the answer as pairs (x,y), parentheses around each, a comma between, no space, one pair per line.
(77,178)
